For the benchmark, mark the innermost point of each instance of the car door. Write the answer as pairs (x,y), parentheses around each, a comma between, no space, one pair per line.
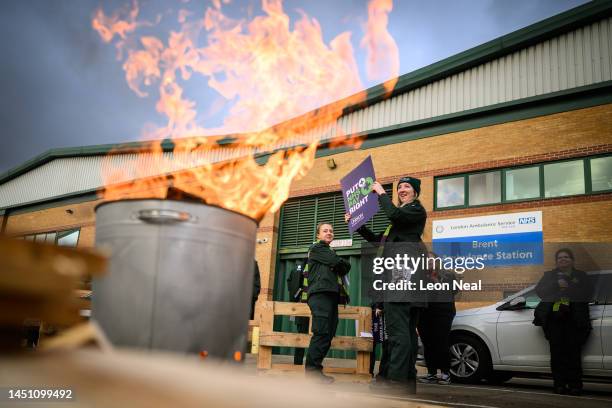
(606,321)
(606,336)
(519,342)
(592,352)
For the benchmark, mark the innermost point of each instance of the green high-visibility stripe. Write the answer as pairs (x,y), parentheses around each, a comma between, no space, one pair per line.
(558,303)
(381,248)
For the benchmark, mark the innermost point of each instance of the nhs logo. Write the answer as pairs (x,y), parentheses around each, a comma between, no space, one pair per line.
(527,220)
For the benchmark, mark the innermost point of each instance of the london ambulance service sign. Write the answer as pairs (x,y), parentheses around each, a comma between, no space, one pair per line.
(359,200)
(501,240)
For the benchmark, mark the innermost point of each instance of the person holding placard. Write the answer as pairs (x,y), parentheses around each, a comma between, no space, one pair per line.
(407,224)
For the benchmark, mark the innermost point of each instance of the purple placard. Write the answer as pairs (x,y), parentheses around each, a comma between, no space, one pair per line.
(359,200)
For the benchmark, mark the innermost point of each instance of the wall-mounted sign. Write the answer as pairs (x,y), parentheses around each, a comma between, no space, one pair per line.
(504,239)
(341,243)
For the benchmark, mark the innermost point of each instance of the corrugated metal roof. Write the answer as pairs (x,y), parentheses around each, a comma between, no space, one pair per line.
(577,58)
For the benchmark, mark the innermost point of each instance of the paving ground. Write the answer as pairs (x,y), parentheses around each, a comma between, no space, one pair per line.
(518,392)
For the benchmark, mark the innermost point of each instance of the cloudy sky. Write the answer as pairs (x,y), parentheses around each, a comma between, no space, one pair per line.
(62,86)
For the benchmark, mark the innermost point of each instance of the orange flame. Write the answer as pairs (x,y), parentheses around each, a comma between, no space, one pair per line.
(269,72)
(383,54)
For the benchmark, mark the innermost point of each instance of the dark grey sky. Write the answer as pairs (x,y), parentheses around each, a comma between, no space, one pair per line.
(61,86)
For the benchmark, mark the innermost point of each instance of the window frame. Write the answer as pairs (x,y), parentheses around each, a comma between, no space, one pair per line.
(467,186)
(540,183)
(58,235)
(65,233)
(589,180)
(584,177)
(588,187)
(465,191)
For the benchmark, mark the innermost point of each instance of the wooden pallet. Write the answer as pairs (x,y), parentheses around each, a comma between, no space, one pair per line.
(268,338)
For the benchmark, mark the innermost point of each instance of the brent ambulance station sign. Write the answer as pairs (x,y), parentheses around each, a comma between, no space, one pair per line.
(501,240)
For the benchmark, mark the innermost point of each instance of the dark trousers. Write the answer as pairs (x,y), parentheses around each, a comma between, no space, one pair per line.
(324,310)
(302,324)
(434,329)
(401,319)
(566,340)
(384,359)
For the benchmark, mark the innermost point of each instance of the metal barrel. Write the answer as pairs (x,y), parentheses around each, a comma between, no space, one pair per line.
(180,276)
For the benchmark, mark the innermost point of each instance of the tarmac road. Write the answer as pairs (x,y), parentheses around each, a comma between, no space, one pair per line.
(517,393)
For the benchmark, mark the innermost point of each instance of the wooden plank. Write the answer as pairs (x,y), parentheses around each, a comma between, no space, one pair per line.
(252,325)
(288,367)
(265,313)
(361,358)
(255,340)
(365,325)
(281,339)
(363,362)
(291,309)
(302,309)
(301,368)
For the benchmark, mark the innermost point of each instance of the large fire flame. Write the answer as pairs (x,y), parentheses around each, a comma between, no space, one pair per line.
(282,83)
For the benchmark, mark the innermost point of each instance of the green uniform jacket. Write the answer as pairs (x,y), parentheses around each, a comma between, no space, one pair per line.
(408,222)
(579,292)
(324,269)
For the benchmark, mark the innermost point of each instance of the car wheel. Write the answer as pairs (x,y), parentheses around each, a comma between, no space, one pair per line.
(470,359)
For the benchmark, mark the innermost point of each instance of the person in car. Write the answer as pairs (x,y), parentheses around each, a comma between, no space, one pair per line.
(563,313)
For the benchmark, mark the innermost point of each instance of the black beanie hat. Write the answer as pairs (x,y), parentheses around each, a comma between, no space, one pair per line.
(414,182)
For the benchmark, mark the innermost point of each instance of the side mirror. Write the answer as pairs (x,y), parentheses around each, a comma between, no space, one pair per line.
(517,303)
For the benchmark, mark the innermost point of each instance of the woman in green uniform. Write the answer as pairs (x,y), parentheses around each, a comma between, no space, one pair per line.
(324,273)
(402,235)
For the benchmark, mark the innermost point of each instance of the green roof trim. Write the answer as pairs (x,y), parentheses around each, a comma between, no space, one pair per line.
(520,109)
(542,30)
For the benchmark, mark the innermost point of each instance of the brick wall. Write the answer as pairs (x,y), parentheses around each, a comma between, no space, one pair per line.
(559,136)
(59,218)
(577,133)
(564,135)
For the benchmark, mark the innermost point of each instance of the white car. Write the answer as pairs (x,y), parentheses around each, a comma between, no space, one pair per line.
(496,342)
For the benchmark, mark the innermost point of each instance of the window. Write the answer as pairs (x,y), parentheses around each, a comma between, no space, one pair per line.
(63,238)
(588,175)
(68,238)
(564,178)
(601,174)
(485,188)
(450,192)
(522,183)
